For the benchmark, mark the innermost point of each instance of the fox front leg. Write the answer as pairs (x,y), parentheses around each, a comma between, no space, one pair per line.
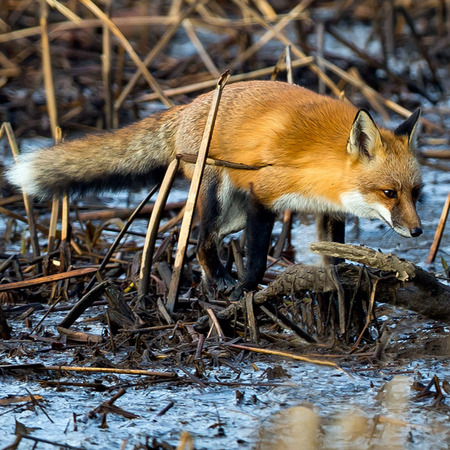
(259,227)
(330,229)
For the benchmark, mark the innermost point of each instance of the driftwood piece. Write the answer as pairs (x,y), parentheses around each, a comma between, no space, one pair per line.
(402,283)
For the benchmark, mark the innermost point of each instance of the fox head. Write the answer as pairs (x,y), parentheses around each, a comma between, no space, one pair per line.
(389,181)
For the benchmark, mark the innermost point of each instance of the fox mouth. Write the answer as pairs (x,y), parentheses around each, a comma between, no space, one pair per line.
(402,232)
(398,229)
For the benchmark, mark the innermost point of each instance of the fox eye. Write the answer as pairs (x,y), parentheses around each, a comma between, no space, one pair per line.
(390,193)
(415,194)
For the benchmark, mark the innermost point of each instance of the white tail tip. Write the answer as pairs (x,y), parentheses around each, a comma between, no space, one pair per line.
(21,175)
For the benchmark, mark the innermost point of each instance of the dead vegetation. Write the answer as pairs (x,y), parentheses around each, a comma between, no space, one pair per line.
(77,67)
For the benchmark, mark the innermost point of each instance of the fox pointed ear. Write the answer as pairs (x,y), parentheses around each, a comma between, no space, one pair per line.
(364,136)
(409,128)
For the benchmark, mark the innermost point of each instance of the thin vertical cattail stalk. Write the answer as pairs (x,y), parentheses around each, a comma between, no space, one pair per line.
(193,195)
(106,70)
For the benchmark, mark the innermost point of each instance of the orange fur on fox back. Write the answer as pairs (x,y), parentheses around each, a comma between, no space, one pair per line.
(299,135)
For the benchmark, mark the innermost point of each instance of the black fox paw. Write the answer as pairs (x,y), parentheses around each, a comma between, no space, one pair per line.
(223,285)
(237,292)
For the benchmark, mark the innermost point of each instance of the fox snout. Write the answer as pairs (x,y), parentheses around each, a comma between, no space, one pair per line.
(405,220)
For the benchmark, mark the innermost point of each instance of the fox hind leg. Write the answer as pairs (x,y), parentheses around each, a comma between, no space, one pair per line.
(215,276)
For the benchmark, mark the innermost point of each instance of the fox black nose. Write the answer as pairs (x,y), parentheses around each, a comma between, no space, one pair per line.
(416,231)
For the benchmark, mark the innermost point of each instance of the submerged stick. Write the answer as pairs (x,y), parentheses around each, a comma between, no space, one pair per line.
(193,194)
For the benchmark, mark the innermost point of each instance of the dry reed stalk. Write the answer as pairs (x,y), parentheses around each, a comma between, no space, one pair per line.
(52,110)
(369,315)
(204,56)
(288,355)
(11,199)
(373,101)
(53,224)
(55,207)
(358,83)
(270,33)
(20,218)
(282,38)
(251,319)
(290,77)
(6,127)
(106,70)
(152,230)
(47,70)
(285,234)
(266,9)
(175,7)
(191,158)
(129,49)
(216,324)
(66,12)
(65,219)
(149,373)
(10,68)
(171,222)
(233,78)
(421,47)
(371,61)
(238,260)
(277,67)
(439,231)
(47,279)
(167,36)
(61,27)
(186,441)
(193,195)
(320,29)
(26,398)
(434,154)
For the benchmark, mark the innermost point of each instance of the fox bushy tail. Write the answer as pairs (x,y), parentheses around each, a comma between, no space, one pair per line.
(133,156)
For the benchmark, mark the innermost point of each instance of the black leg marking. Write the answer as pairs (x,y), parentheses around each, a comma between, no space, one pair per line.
(330,229)
(259,230)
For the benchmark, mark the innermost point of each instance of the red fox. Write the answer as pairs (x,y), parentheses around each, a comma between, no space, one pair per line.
(319,155)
